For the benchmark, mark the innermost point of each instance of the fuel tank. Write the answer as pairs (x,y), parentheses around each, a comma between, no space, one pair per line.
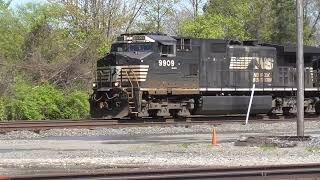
(214,105)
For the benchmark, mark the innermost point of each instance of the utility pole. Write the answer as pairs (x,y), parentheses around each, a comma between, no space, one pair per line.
(300,69)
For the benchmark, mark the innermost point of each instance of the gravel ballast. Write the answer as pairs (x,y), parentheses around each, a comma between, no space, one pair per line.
(287,128)
(153,146)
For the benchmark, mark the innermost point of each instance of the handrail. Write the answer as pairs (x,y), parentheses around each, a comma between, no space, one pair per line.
(135,78)
(130,82)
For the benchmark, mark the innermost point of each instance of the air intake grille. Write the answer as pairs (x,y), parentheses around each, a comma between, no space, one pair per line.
(135,73)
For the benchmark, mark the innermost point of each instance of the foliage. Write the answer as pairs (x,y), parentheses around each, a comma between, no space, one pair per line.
(268,148)
(313,149)
(12,33)
(201,27)
(222,19)
(44,102)
(185,145)
(2,109)
(77,105)
(155,15)
(283,21)
(264,20)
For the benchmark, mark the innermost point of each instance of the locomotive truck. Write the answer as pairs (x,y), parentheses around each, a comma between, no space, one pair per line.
(156,75)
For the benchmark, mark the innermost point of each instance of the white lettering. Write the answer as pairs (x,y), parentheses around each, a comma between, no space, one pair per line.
(258,62)
(166,63)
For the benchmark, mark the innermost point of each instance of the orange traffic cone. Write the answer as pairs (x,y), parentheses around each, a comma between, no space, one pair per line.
(214,138)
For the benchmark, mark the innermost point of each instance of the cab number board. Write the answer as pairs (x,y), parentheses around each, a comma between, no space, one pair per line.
(167,63)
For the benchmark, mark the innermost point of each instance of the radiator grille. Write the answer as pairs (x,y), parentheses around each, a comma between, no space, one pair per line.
(135,73)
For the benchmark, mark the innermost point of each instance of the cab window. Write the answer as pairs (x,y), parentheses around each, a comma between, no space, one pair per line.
(167,50)
(184,44)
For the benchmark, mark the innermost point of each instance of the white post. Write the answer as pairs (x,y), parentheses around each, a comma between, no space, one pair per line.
(250,103)
(300,69)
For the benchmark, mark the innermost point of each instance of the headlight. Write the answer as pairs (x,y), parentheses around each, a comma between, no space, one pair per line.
(94,85)
(116,84)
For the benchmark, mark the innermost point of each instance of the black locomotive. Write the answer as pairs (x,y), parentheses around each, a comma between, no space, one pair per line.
(155,75)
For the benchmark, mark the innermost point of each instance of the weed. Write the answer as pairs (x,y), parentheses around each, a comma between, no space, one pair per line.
(313,148)
(266,148)
(185,145)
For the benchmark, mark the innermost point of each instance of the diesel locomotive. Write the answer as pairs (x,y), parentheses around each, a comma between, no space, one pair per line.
(156,75)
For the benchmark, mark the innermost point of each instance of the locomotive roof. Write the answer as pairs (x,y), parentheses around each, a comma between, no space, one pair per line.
(307,49)
(132,34)
(283,49)
(291,49)
(163,39)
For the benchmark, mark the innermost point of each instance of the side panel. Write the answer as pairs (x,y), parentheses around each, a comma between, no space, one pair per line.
(251,64)
(234,104)
(213,63)
(236,66)
(286,71)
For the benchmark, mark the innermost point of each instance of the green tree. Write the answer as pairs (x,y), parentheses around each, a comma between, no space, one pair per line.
(283,26)
(264,20)
(39,43)
(12,33)
(215,26)
(155,15)
(222,19)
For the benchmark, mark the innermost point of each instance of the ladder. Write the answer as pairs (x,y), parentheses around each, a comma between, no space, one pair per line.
(130,92)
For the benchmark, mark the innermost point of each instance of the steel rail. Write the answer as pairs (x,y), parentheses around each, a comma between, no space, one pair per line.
(35,126)
(54,124)
(252,172)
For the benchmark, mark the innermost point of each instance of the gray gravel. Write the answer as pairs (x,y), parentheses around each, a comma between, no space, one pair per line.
(287,128)
(74,149)
(157,155)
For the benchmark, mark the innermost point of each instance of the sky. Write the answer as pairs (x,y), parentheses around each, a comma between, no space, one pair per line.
(16,3)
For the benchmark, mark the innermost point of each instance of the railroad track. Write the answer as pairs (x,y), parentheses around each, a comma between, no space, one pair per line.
(306,171)
(61,124)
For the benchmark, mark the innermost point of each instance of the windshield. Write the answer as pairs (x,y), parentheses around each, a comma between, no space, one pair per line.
(131,47)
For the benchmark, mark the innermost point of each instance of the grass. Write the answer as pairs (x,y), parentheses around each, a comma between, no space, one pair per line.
(313,149)
(266,148)
(185,145)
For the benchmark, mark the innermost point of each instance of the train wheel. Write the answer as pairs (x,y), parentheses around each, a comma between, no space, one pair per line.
(286,111)
(270,114)
(153,113)
(174,113)
(317,107)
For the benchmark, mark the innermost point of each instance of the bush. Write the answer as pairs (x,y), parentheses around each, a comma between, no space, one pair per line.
(43,102)
(2,109)
(77,105)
